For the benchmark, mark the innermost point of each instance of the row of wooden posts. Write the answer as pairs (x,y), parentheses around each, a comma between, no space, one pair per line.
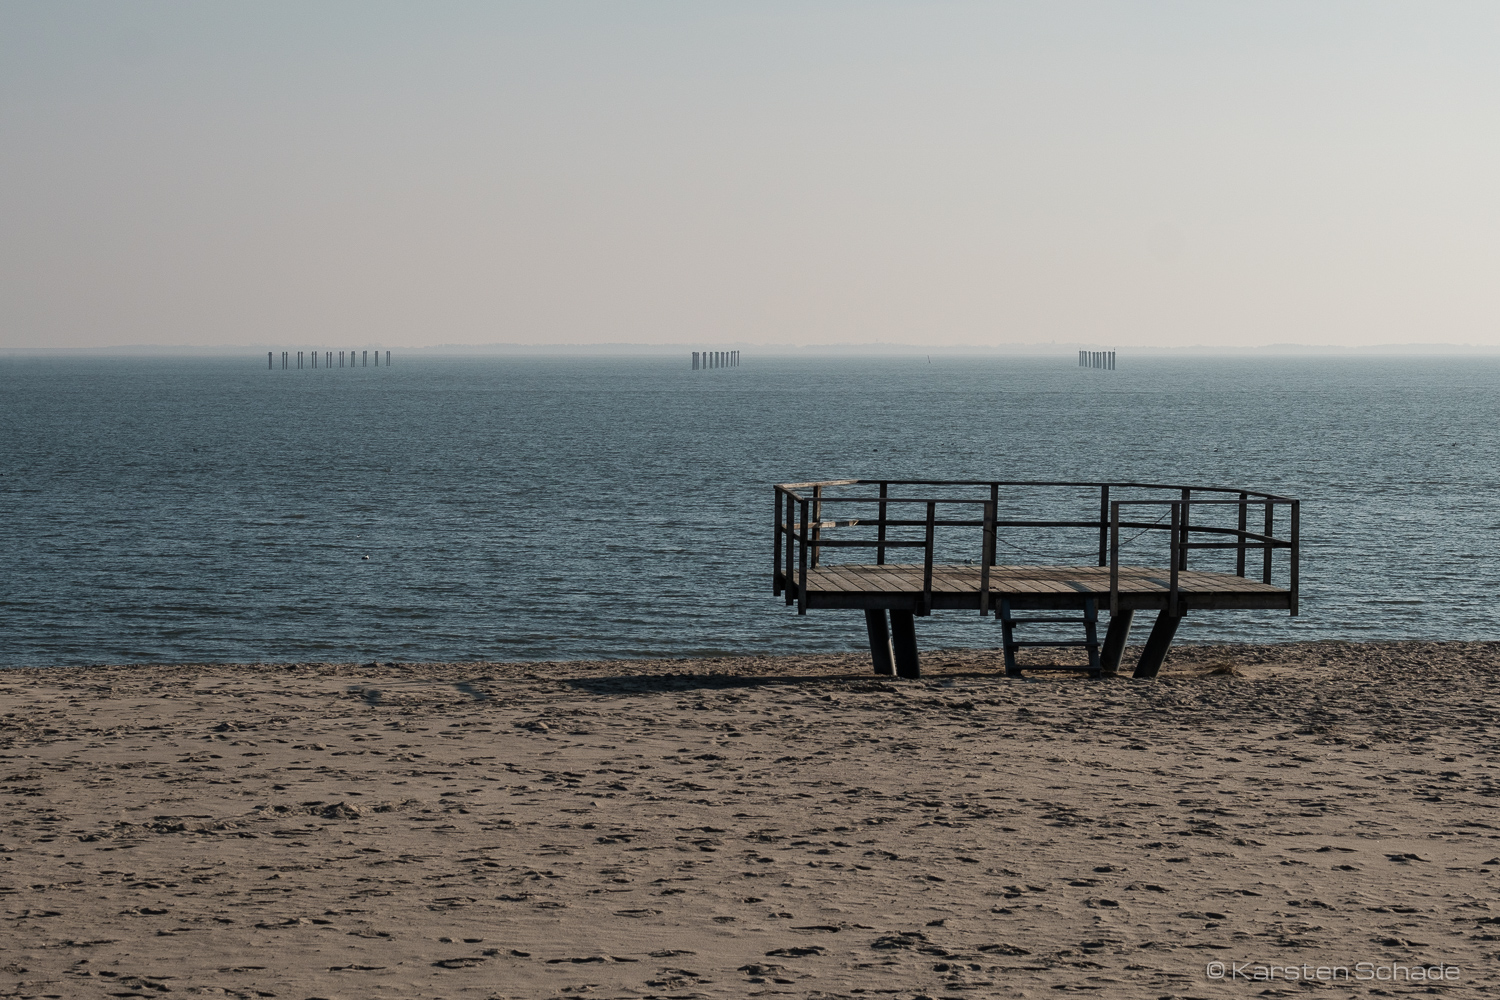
(715,359)
(1096,359)
(357,359)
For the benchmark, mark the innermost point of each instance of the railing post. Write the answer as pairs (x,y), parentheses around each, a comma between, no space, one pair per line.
(817,531)
(791,542)
(1239,555)
(1103,523)
(776,545)
(927,558)
(1114,559)
(1296,550)
(995,532)
(1176,554)
(987,557)
(1182,549)
(880,531)
(1265,573)
(802,565)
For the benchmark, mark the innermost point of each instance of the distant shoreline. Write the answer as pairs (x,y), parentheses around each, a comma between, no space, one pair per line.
(1059,349)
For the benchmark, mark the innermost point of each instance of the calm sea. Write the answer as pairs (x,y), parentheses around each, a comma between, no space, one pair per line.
(556,508)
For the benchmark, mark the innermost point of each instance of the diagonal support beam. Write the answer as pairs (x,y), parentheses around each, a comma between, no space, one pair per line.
(880,641)
(1114,642)
(1157,644)
(904,643)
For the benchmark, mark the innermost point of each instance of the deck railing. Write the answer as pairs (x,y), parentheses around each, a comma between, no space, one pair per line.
(801,523)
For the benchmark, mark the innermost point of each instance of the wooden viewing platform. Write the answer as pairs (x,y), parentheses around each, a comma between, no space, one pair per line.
(960,570)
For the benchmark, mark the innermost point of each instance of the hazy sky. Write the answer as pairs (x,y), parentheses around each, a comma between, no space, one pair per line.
(327,173)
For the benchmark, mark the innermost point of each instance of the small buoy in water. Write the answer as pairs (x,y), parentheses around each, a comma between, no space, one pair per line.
(365,557)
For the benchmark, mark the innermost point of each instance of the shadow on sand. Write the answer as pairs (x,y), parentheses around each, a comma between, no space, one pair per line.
(654,683)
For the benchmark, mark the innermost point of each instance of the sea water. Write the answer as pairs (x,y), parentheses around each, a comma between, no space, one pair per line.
(530,508)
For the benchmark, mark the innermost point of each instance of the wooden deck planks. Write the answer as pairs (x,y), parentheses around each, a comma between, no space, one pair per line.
(954,579)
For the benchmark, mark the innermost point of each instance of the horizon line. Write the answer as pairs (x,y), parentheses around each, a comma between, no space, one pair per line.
(1042,348)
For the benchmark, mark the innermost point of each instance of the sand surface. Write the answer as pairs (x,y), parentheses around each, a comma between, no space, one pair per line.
(753,827)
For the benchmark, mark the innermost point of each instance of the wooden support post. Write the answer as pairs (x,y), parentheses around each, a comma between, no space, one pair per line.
(881,651)
(817,531)
(1265,573)
(1114,558)
(1239,552)
(791,545)
(1091,635)
(1176,541)
(1157,644)
(986,557)
(1182,549)
(904,644)
(268,360)
(1115,638)
(1104,525)
(1008,639)
(880,529)
(775,534)
(926,608)
(1293,583)
(802,563)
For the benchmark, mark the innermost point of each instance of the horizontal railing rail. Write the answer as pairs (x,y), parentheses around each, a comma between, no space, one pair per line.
(800,523)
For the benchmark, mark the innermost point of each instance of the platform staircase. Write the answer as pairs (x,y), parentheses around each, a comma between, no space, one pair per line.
(1089,621)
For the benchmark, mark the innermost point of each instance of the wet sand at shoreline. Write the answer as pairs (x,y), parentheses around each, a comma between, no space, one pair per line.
(776,826)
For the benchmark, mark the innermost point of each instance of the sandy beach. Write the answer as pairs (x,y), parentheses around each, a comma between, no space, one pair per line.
(789,826)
